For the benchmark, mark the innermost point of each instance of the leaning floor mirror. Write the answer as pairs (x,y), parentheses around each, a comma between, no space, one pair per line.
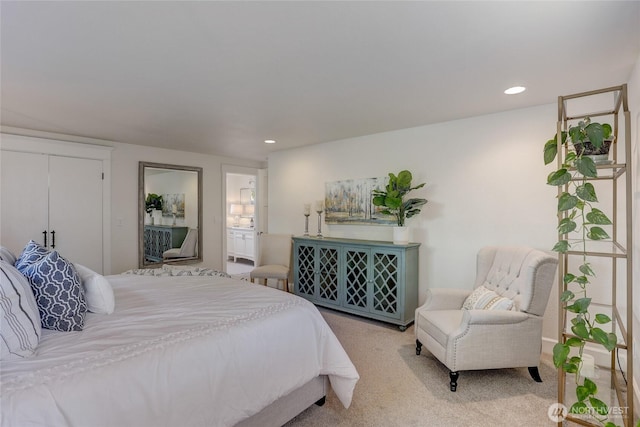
(169,214)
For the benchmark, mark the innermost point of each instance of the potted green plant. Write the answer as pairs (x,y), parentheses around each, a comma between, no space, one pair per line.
(579,218)
(393,202)
(589,138)
(152,202)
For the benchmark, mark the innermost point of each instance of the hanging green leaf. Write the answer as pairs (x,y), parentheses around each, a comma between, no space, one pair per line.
(567,201)
(602,318)
(580,330)
(582,393)
(579,408)
(574,342)
(581,305)
(587,167)
(562,246)
(596,216)
(567,295)
(587,192)
(591,387)
(586,269)
(597,233)
(559,177)
(567,225)
(600,407)
(560,353)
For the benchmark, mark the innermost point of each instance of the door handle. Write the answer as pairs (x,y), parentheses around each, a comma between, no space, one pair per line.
(53,239)
(45,238)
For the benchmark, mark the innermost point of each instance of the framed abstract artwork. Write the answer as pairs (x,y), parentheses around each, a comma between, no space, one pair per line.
(351,202)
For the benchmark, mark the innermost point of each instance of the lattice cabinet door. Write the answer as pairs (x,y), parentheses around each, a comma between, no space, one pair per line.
(357,286)
(386,283)
(327,266)
(304,262)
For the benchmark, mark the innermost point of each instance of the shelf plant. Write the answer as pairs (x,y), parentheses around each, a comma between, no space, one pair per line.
(392,198)
(579,216)
(152,202)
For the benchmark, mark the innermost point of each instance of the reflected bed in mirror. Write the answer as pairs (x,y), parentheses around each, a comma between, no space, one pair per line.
(169,214)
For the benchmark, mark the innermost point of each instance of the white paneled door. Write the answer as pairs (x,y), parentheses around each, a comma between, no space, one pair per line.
(75,209)
(56,201)
(24,199)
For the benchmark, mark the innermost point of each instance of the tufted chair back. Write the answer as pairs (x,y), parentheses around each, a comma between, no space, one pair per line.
(522,274)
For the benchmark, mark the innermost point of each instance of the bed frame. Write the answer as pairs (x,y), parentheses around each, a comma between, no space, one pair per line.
(287,407)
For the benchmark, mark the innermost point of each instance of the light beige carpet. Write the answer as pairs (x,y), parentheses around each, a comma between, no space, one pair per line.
(398,388)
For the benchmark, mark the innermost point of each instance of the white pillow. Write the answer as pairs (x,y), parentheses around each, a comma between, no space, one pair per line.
(19,317)
(97,290)
(485,299)
(7,256)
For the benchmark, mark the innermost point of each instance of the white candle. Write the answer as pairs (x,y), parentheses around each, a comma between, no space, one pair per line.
(319,205)
(174,208)
(307,208)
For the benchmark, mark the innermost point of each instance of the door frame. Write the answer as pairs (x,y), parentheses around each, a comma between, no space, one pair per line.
(238,170)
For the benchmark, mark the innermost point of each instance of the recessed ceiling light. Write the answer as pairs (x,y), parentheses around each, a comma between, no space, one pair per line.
(515,89)
(269,141)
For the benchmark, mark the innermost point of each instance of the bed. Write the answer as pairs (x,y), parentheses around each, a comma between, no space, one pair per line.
(181,351)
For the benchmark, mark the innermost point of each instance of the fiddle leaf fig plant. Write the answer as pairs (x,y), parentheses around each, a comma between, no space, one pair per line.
(392,198)
(153,202)
(583,221)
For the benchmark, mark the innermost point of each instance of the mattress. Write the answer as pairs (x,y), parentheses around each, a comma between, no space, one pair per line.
(183,350)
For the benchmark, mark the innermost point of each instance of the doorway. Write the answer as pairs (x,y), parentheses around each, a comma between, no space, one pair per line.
(241,219)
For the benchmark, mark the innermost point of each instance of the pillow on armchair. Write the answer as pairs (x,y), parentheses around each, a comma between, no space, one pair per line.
(485,299)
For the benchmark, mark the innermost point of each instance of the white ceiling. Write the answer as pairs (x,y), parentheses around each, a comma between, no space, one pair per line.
(221,77)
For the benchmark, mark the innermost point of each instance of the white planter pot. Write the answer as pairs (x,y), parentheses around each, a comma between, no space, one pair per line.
(400,235)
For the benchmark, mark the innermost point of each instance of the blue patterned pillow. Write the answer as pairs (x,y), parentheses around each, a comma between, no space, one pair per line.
(58,291)
(19,319)
(31,253)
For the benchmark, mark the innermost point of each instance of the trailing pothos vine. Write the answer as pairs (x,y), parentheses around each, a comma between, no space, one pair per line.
(580,218)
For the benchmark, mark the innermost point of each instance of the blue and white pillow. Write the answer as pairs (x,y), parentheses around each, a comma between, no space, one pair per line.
(7,256)
(31,253)
(58,292)
(19,318)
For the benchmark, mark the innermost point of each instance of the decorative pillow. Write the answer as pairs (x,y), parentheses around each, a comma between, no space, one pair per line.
(486,299)
(31,253)
(19,319)
(97,290)
(59,293)
(148,272)
(177,270)
(7,256)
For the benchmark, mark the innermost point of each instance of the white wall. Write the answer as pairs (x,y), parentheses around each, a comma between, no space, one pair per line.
(124,202)
(486,184)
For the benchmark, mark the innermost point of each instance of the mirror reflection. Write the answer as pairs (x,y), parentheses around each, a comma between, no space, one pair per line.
(170,214)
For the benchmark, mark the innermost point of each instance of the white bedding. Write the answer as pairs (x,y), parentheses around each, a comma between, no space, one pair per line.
(177,351)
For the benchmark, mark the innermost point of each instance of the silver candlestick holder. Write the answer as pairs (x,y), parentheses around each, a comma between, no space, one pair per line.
(319,223)
(306,224)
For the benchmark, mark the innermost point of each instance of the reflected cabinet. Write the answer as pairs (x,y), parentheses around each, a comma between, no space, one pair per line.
(374,279)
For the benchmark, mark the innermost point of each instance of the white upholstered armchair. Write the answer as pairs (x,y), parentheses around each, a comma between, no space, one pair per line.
(498,324)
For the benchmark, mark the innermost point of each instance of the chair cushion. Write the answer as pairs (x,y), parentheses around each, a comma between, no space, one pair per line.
(439,324)
(486,299)
(270,272)
(19,318)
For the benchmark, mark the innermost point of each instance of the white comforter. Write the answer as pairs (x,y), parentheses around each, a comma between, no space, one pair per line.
(178,351)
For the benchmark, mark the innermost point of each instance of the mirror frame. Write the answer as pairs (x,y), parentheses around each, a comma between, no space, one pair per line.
(142,213)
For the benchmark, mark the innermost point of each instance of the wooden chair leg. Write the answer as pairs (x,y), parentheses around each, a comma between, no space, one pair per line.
(264,282)
(286,285)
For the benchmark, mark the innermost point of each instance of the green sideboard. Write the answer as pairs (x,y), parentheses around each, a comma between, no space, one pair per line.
(374,279)
(159,238)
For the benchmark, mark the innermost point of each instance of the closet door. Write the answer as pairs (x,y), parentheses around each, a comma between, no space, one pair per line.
(23,199)
(75,209)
